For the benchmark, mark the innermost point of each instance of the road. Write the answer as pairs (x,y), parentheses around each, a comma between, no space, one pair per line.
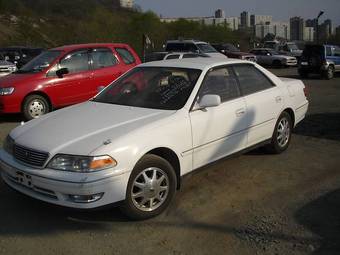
(250,204)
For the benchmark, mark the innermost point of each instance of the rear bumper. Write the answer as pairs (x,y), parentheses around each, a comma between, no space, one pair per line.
(109,190)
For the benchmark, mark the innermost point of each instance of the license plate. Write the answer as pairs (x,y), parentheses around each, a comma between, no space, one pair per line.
(24,179)
(304,63)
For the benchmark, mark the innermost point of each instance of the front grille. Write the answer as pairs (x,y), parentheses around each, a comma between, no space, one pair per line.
(29,156)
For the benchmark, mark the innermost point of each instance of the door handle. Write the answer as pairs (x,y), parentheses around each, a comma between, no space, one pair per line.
(278,99)
(240,112)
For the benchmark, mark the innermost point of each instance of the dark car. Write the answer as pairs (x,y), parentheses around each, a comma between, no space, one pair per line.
(320,59)
(20,55)
(232,52)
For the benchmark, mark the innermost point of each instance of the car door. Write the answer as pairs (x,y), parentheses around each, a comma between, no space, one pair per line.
(73,87)
(264,102)
(218,131)
(105,68)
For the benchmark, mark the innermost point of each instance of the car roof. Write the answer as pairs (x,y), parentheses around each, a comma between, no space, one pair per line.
(186,41)
(89,45)
(194,63)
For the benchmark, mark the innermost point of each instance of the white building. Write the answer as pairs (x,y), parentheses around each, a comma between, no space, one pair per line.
(279,29)
(260,19)
(127,3)
(308,34)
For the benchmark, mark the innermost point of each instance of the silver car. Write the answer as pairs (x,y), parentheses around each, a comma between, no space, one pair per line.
(270,57)
(6,67)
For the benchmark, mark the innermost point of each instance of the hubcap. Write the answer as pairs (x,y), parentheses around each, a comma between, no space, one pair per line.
(36,108)
(283,132)
(150,189)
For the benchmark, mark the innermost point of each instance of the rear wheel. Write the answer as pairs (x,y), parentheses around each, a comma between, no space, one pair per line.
(303,74)
(277,63)
(35,106)
(329,74)
(152,186)
(282,134)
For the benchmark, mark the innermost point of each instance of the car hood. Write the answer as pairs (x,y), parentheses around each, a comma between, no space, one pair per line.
(15,79)
(83,128)
(240,53)
(6,63)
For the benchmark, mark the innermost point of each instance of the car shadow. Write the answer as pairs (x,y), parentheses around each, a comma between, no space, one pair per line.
(322,217)
(12,118)
(323,125)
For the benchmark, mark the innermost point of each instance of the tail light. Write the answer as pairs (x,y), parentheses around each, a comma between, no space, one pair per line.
(305,91)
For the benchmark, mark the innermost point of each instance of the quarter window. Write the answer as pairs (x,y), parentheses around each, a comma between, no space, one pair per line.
(251,79)
(222,82)
(102,58)
(126,55)
(176,56)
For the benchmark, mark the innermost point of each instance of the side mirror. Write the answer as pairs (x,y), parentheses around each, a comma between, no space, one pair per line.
(208,101)
(100,89)
(61,72)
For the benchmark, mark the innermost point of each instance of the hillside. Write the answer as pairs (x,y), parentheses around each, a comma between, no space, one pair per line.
(50,23)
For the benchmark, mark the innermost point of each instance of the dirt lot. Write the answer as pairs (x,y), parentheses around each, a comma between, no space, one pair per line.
(250,204)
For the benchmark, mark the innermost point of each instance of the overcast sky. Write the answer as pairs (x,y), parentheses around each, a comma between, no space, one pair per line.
(281,10)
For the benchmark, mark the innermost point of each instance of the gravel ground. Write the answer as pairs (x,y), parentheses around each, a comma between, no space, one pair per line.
(250,204)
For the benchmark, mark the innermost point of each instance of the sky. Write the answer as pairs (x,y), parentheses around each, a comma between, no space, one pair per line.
(281,10)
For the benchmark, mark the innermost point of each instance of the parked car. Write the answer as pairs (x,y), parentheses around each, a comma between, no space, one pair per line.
(6,67)
(192,46)
(132,142)
(20,55)
(232,52)
(320,59)
(64,76)
(271,57)
(157,56)
(287,48)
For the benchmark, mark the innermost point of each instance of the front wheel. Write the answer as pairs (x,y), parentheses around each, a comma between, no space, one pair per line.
(282,134)
(151,187)
(35,106)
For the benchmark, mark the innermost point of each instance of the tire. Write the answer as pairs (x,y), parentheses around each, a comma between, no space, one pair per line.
(303,74)
(285,124)
(329,74)
(277,64)
(35,106)
(150,200)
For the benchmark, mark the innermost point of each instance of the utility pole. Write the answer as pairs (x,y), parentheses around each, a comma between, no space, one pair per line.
(317,26)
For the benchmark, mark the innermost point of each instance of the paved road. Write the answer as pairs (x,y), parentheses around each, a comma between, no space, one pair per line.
(250,204)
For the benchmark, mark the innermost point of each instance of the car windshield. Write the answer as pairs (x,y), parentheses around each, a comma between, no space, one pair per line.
(40,62)
(164,88)
(292,46)
(271,45)
(206,48)
(273,52)
(231,48)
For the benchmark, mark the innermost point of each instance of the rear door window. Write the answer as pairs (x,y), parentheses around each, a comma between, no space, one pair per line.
(251,80)
(102,57)
(126,55)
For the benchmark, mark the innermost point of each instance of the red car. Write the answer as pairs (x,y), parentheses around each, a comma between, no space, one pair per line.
(64,76)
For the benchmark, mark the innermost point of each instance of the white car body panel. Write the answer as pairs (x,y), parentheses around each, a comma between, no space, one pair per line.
(197,137)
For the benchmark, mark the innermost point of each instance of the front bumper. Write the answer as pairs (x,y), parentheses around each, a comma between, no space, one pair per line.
(112,189)
(10,104)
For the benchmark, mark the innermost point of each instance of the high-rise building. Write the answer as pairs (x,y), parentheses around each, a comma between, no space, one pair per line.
(260,19)
(245,19)
(127,3)
(219,14)
(279,29)
(329,23)
(309,34)
(297,29)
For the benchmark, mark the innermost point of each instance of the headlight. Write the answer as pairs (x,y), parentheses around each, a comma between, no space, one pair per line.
(6,91)
(9,145)
(12,68)
(82,164)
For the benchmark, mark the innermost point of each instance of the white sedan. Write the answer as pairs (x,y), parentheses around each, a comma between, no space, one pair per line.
(134,140)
